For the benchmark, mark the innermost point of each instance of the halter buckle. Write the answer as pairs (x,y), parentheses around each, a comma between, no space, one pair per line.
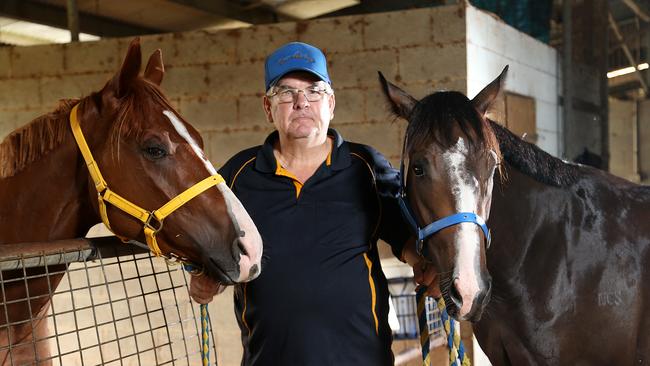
(152,218)
(488,240)
(419,246)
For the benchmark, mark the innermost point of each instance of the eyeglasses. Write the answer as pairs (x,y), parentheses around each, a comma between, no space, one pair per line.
(286,94)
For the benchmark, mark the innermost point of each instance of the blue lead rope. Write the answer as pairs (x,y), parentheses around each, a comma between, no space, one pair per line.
(205,336)
(205,326)
(421,300)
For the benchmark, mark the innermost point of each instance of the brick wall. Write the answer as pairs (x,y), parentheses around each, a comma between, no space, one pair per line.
(215,79)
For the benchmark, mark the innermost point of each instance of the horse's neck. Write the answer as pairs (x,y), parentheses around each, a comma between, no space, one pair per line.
(48,200)
(522,207)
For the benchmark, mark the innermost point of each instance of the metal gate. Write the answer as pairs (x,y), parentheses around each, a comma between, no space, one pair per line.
(116,305)
(402,291)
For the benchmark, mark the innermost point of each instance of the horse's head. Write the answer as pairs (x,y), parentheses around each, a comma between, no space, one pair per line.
(148,154)
(452,156)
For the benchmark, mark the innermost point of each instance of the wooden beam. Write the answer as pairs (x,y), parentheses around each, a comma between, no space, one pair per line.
(380,6)
(641,13)
(57,17)
(628,54)
(228,9)
(73,20)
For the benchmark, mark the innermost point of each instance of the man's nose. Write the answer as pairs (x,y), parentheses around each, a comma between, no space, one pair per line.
(300,100)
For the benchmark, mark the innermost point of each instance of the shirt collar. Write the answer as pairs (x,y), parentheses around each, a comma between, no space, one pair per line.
(339,158)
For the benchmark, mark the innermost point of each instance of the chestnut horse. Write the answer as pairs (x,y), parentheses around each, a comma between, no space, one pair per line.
(148,155)
(564,281)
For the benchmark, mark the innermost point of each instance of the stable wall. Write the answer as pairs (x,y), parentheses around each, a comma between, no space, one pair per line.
(533,71)
(623,139)
(215,79)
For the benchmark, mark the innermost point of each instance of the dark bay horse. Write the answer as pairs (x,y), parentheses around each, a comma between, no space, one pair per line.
(148,155)
(565,280)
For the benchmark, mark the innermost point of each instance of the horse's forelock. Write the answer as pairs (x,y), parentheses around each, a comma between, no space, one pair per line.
(435,117)
(143,102)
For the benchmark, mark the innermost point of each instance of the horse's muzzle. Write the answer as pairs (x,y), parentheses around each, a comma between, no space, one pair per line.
(480,302)
(454,302)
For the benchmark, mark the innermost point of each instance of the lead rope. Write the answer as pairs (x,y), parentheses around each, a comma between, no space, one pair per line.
(205,322)
(457,355)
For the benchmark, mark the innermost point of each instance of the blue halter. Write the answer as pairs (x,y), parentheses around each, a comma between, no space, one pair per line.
(434,227)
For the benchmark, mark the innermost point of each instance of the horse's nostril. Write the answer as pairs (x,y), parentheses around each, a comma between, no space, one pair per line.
(238,249)
(455,296)
(255,269)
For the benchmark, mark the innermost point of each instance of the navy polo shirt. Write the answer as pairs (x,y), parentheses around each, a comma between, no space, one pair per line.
(322,298)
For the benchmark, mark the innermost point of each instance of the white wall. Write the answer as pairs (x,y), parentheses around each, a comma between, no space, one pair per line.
(533,72)
(623,150)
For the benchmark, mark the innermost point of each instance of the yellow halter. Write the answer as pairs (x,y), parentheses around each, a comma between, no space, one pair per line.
(148,218)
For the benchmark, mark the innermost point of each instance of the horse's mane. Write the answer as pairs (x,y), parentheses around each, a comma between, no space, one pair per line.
(434,117)
(30,142)
(34,140)
(433,120)
(533,161)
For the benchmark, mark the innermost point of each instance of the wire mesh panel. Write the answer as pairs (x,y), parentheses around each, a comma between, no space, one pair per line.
(116,306)
(402,291)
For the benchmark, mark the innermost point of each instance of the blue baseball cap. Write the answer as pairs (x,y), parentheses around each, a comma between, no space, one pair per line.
(295,56)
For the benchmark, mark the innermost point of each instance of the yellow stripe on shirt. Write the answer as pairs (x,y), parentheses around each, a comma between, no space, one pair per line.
(372,291)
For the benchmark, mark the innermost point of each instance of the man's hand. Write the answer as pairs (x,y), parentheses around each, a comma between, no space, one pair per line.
(203,289)
(424,272)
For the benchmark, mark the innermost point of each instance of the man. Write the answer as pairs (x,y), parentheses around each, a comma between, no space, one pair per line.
(320,203)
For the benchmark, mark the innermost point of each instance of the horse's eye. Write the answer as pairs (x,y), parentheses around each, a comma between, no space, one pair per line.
(154,152)
(418,171)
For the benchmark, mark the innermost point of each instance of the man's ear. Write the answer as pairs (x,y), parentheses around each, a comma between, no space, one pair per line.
(266,104)
(484,99)
(401,102)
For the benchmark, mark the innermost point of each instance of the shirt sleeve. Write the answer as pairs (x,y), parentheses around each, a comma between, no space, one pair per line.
(393,229)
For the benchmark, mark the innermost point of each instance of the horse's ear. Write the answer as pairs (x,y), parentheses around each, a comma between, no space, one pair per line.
(155,69)
(483,100)
(401,103)
(130,68)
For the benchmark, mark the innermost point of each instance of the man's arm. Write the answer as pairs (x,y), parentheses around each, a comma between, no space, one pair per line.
(394,228)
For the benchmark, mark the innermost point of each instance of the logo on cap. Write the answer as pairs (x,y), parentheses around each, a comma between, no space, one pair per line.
(296,56)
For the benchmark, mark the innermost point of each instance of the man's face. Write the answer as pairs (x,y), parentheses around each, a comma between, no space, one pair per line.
(299,118)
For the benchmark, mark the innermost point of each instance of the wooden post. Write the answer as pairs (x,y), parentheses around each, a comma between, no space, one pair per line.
(73,20)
